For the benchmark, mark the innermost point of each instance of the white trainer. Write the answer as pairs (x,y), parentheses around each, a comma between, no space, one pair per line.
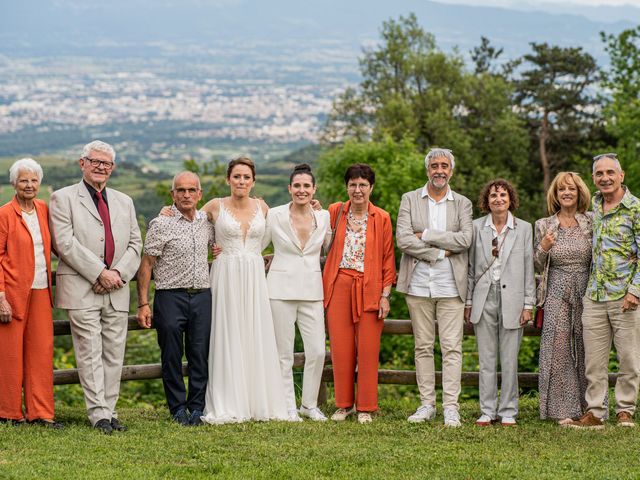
(312,413)
(341,414)
(424,412)
(364,417)
(484,420)
(508,421)
(451,417)
(293,416)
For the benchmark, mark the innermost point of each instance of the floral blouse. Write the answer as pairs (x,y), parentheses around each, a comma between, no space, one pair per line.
(354,243)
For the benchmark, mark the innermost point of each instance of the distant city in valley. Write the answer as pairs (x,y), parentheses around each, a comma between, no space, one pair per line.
(210,80)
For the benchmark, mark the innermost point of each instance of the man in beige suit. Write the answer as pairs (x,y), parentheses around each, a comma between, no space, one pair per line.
(434,231)
(96,235)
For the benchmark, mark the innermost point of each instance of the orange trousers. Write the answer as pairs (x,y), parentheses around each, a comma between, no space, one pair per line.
(26,362)
(354,337)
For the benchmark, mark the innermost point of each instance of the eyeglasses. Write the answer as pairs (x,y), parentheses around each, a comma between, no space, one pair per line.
(99,163)
(182,191)
(495,250)
(605,155)
(356,186)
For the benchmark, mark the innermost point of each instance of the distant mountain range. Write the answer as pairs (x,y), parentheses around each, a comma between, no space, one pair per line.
(213,27)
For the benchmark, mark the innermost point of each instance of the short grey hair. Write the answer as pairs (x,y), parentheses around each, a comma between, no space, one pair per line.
(22,165)
(99,146)
(180,174)
(616,162)
(438,153)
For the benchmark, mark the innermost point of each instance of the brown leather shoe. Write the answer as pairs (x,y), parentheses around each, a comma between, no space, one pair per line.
(625,419)
(587,421)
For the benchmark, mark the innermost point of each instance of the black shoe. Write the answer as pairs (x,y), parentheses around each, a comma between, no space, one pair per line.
(181,417)
(104,426)
(47,423)
(117,426)
(194,419)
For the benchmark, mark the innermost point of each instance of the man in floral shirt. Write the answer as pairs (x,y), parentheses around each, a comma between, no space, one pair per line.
(611,300)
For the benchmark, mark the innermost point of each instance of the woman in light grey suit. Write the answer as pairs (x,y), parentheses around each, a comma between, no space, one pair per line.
(298,233)
(500,297)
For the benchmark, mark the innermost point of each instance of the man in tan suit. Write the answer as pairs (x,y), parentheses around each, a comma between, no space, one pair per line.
(96,234)
(434,231)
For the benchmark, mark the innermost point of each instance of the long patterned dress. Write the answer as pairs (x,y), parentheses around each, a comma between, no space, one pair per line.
(562,383)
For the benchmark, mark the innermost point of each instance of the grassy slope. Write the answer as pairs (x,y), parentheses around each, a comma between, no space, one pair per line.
(390,447)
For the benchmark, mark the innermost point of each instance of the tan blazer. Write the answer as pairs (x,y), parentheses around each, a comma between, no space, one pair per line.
(78,237)
(413,216)
(295,273)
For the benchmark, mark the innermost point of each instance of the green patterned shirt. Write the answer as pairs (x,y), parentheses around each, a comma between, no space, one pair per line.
(616,236)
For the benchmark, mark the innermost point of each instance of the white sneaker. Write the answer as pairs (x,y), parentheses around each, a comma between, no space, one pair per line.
(312,413)
(484,420)
(364,417)
(293,416)
(508,421)
(424,412)
(341,414)
(451,417)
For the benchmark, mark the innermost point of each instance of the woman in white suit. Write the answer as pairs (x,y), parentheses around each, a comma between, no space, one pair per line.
(298,233)
(500,296)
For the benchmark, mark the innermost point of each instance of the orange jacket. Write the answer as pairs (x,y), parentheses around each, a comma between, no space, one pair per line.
(379,257)
(17,261)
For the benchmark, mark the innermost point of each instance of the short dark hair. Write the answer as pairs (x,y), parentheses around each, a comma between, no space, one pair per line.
(242,160)
(483,199)
(360,170)
(302,169)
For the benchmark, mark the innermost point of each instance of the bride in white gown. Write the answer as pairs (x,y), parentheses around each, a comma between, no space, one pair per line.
(245,382)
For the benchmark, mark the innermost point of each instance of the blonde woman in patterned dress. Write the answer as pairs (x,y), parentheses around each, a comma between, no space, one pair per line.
(564,241)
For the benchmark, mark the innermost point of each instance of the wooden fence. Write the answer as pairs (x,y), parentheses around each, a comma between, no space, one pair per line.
(385,376)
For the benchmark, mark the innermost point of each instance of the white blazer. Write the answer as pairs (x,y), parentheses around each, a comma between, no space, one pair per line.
(295,273)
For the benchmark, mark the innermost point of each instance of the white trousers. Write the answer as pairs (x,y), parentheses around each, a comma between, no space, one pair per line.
(309,315)
(99,339)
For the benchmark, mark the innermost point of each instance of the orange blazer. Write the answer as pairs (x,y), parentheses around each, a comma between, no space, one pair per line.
(17,261)
(379,256)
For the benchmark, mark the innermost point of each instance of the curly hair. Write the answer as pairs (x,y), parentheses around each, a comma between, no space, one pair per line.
(483,199)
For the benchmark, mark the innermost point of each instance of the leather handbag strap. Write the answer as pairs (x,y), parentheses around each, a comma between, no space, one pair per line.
(334,227)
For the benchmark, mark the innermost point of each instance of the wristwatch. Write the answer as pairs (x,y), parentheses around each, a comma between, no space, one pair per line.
(385,295)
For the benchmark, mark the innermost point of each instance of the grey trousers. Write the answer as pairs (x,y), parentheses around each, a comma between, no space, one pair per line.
(99,337)
(492,339)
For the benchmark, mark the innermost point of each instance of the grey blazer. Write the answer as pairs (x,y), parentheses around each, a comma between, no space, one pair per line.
(78,237)
(517,280)
(413,216)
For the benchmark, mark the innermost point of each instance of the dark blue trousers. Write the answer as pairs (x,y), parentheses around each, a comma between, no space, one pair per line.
(183,323)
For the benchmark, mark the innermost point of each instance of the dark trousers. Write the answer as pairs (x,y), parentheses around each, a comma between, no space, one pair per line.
(183,318)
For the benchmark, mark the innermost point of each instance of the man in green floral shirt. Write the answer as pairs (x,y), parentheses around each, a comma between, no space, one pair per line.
(611,300)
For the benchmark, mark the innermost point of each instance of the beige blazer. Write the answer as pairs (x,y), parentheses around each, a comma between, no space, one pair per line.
(413,216)
(78,237)
(295,273)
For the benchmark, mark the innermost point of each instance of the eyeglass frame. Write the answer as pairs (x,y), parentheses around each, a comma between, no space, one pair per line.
(98,163)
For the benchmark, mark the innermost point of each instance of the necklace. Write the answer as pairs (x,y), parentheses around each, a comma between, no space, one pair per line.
(357,224)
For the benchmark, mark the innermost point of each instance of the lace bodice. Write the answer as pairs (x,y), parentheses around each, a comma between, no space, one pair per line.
(229,235)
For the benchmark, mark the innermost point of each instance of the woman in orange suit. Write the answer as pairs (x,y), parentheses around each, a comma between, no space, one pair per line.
(357,279)
(26,326)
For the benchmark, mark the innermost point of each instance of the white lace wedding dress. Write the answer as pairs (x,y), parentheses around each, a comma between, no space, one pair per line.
(245,382)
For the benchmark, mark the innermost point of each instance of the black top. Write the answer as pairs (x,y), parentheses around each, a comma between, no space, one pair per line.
(93,191)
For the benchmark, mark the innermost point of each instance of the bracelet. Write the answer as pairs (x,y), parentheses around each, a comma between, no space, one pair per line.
(383,295)
(143,305)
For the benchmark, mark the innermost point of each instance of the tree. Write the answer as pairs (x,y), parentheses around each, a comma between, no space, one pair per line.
(555,99)
(622,112)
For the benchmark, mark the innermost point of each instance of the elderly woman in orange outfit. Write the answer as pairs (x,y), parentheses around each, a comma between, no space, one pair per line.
(26,326)
(357,279)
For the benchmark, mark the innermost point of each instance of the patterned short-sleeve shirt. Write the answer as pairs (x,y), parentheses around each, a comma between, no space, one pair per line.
(182,248)
(616,236)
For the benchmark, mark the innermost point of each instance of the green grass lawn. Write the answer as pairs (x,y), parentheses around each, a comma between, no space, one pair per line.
(390,447)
